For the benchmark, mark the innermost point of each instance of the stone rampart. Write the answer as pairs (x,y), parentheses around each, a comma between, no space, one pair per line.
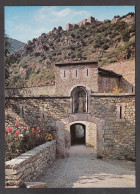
(30,91)
(117,110)
(127,70)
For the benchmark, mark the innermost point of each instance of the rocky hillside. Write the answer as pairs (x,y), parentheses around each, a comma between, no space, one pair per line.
(107,42)
(15,45)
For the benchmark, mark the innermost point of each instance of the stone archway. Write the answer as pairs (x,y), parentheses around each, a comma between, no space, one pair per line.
(94,132)
(90,135)
(77,134)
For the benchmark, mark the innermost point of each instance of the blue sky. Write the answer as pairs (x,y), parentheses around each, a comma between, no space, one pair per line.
(27,22)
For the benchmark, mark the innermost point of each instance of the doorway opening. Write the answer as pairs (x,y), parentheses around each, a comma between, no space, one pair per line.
(77,132)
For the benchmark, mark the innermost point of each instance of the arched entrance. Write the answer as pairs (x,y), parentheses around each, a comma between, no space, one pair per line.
(77,134)
(93,132)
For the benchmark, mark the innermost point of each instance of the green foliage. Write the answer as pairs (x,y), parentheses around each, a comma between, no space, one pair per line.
(7,62)
(105,46)
(106,42)
(125,35)
(22,138)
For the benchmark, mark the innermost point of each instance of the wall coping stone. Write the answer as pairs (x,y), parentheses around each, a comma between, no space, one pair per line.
(30,87)
(37,97)
(29,165)
(67,97)
(27,155)
(112,94)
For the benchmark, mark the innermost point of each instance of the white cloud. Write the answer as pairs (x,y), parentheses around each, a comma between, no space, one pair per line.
(43,21)
(55,15)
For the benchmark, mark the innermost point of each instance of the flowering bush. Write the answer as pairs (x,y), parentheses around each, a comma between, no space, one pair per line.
(117,90)
(21,139)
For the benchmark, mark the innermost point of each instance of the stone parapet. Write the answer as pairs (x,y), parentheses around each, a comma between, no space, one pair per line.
(29,165)
(112,94)
(30,91)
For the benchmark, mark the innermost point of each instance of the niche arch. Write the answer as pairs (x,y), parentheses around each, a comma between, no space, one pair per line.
(79,100)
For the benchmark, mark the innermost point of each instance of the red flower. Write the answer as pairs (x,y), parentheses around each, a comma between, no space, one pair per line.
(17,133)
(17,123)
(37,128)
(37,132)
(21,137)
(33,130)
(8,130)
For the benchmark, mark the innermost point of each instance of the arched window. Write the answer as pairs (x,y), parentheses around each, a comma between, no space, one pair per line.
(79,100)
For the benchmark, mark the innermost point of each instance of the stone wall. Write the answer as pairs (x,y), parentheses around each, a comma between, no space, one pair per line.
(69,27)
(31,91)
(29,165)
(107,84)
(127,70)
(119,128)
(68,77)
(33,112)
(113,115)
(90,20)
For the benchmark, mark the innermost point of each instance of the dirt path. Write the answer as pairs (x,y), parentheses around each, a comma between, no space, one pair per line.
(82,170)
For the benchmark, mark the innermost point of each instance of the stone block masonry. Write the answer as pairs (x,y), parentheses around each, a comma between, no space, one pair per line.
(116,135)
(118,111)
(90,20)
(29,165)
(31,91)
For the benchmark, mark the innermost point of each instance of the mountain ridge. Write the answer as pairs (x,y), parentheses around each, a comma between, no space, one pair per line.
(15,45)
(108,41)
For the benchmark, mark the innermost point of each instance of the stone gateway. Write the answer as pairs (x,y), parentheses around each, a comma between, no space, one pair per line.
(81,108)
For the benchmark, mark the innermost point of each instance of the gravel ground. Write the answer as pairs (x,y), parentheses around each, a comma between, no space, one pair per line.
(82,170)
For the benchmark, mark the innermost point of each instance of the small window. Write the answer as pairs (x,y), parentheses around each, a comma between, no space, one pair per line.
(22,111)
(64,74)
(112,84)
(43,115)
(106,83)
(120,112)
(87,72)
(76,73)
(132,89)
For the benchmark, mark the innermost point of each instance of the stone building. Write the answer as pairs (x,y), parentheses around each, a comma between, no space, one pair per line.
(90,20)
(81,109)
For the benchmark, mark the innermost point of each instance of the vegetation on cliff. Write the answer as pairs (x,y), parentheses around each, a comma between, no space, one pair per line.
(107,42)
(15,45)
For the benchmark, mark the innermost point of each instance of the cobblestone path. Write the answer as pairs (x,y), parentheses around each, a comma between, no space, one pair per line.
(81,169)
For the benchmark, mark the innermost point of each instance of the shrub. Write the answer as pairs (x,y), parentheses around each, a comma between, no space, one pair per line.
(96,46)
(36,54)
(72,35)
(125,35)
(117,16)
(21,139)
(116,90)
(105,46)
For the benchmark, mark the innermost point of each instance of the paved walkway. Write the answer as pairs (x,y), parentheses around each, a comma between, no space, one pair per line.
(82,170)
